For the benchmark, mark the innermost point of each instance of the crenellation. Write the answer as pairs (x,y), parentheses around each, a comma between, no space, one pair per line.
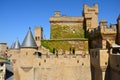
(90,15)
(107,30)
(90,9)
(66,19)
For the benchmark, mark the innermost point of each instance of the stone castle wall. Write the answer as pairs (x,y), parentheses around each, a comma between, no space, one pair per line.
(66,27)
(74,26)
(54,68)
(66,45)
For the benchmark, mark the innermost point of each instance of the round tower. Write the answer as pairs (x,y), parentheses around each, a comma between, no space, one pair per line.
(15,47)
(14,52)
(29,45)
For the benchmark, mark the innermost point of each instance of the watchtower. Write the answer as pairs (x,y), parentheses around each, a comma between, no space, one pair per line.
(91,16)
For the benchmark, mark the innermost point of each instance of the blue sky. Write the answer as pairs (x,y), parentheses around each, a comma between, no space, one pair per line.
(17,15)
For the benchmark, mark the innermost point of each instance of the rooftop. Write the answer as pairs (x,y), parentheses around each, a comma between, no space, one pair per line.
(29,40)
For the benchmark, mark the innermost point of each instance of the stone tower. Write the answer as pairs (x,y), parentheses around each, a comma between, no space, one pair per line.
(38,35)
(91,16)
(118,30)
(23,67)
(63,26)
(17,44)
(14,50)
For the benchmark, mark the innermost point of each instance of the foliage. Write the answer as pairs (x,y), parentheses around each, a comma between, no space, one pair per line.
(59,31)
(64,45)
(56,44)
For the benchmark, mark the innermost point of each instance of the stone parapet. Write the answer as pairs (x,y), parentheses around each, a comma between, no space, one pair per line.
(55,68)
(66,19)
(91,9)
(108,31)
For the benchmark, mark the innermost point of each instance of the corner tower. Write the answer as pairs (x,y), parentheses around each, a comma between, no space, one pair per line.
(17,44)
(91,16)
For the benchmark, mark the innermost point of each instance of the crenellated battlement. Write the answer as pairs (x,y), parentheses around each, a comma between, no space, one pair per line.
(90,9)
(57,18)
(62,56)
(107,30)
(90,14)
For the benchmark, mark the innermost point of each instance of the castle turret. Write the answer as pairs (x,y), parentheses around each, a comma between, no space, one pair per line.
(91,16)
(12,46)
(29,46)
(17,45)
(29,41)
(14,50)
(26,59)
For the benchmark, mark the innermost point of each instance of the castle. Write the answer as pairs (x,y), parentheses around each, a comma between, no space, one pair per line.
(78,49)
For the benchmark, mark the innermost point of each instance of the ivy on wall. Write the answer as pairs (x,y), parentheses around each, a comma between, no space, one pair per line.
(59,31)
(65,45)
(59,45)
